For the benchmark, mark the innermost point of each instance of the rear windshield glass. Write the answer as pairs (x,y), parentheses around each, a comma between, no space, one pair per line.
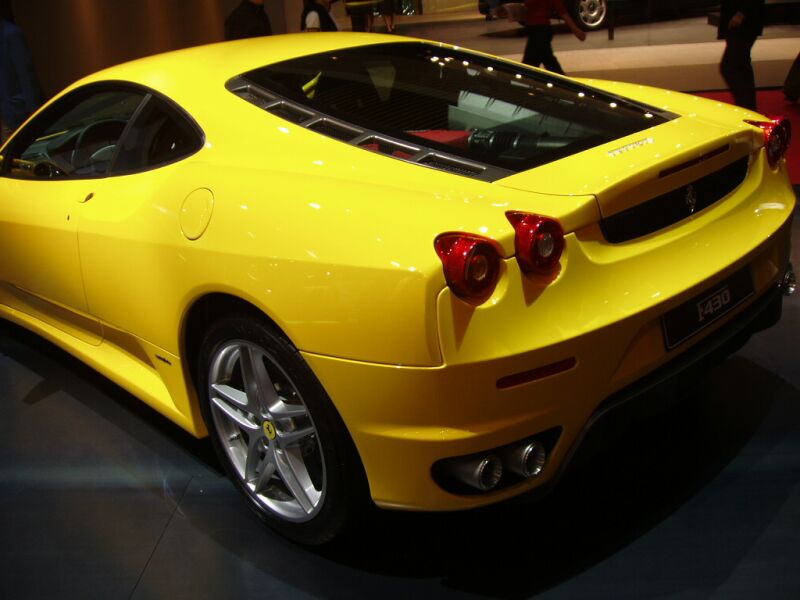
(465,104)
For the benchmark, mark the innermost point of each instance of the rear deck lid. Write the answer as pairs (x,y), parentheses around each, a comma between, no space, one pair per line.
(626,172)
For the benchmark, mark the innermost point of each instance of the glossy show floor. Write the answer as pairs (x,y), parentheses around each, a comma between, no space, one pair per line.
(102,498)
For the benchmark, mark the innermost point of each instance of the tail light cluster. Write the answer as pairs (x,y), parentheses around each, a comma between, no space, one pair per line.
(472,262)
(471,265)
(539,242)
(777,135)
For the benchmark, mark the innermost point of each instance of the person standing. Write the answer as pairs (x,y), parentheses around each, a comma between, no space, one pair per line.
(387,11)
(539,47)
(740,24)
(20,93)
(248,19)
(791,87)
(317,16)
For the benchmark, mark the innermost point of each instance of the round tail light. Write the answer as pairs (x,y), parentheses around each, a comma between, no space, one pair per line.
(471,265)
(777,135)
(539,242)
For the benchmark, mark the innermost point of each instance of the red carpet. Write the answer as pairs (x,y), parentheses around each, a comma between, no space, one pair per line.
(772,103)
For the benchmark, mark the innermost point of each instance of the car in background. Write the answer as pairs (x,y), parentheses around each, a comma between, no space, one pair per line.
(381,270)
(595,14)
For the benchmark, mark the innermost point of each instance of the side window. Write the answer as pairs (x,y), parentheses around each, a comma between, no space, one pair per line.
(76,137)
(159,135)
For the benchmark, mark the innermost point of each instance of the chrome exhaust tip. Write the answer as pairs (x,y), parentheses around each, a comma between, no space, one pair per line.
(482,473)
(526,460)
(789,281)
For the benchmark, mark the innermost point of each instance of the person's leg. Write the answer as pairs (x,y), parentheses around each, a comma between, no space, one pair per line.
(528,53)
(737,68)
(536,46)
(549,59)
(358,21)
(387,12)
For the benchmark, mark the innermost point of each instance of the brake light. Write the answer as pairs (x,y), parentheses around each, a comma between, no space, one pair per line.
(539,242)
(471,265)
(777,135)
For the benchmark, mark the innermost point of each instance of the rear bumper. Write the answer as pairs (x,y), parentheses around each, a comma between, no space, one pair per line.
(405,419)
(601,317)
(636,401)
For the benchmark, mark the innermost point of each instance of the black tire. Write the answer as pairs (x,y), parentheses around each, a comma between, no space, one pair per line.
(589,15)
(257,395)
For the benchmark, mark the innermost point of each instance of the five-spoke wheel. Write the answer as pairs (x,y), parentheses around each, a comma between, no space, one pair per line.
(266,430)
(276,431)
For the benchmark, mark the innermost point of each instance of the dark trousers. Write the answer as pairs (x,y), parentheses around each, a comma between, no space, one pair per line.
(539,49)
(358,21)
(737,68)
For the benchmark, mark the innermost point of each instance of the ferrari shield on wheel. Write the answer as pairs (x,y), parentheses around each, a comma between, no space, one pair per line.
(275,430)
(266,430)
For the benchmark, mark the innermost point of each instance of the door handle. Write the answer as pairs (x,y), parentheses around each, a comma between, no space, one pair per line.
(89,196)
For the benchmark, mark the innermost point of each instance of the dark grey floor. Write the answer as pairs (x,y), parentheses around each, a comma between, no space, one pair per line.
(102,498)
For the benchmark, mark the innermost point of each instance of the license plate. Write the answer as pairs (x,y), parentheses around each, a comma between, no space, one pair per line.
(701,311)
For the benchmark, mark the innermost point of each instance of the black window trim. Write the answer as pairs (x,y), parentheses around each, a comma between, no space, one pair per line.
(109,85)
(420,152)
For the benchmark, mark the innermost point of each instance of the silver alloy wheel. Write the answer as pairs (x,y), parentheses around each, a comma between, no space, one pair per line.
(266,431)
(591,13)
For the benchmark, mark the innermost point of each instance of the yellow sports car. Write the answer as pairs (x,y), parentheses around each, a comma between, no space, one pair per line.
(380,268)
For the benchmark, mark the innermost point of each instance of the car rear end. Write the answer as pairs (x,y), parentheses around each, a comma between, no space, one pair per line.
(626,238)
(618,310)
